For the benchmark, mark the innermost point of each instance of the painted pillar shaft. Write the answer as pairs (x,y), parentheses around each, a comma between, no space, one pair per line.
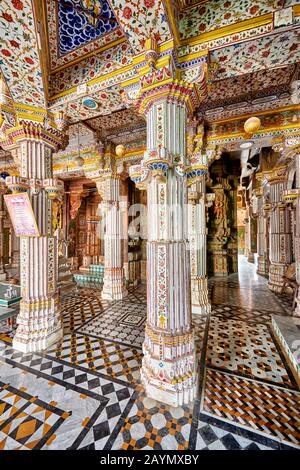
(297,235)
(261,237)
(168,369)
(39,322)
(198,251)
(280,236)
(113,207)
(2,215)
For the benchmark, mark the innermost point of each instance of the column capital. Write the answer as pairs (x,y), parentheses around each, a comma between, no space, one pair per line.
(278,175)
(19,123)
(170,90)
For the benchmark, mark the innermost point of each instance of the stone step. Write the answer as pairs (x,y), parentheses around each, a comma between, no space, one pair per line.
(287,332)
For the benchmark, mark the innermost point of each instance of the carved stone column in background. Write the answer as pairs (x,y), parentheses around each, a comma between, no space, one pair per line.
(262,267)
(280,230)
(198,249)
(2,216)
(113,206)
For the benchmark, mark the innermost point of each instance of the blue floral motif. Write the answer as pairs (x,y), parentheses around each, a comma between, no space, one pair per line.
(79,23)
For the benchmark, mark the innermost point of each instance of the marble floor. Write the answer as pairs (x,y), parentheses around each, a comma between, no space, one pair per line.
(85,392)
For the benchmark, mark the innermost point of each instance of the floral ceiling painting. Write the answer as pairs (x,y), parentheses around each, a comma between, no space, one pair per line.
(90,68)
(120,120)
(79,27)
(107,101)
(141,19)
(82,21)
(19,56)
(259,54)
(251,85)
(208,16)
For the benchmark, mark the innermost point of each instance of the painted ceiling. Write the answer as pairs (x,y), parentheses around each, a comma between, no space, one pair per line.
(205,17)
(82,21)
(19,54)
(251,85)
(141,19)
(77,28)
(263,53)
(117,122)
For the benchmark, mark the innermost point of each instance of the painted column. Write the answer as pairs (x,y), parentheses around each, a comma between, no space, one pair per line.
(113,206)
(2,216)
(262,267)
(297,235)
(198,249)
(292,196)
(169,367)
(280,230)
(39,321)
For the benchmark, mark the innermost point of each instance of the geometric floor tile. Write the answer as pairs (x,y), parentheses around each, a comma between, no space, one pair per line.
(84,392)
(247,349)
(253,300)
(123,322)
(153,425)
(78,310)
(211,437)
(261,407)
(34,424)
(116,360)
(243,314)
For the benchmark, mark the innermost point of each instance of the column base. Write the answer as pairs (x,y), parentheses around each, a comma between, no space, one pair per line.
(114,285)
(39,325)
(250,258)
(296,312)
(200,300)
(276,273)
(173,382)
(262,267)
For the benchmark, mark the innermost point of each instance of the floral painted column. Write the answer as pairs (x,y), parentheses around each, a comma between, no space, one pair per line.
(292,196)
(198,248)
(280,230)
(262,267)
(39,320)
(113,205)
(3,190)
(169,367)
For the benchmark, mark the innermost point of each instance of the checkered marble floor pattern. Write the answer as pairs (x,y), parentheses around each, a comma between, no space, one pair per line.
(85,392)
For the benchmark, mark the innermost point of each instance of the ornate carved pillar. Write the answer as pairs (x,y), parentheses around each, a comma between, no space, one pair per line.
(280,230)
(197,218)
(198,248)
(262,267)
(292,196)
(39,322)
(169,367)
(2,216)
(113,205)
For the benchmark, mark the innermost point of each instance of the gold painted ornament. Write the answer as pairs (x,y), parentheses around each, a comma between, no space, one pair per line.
(120,150)
(79,161)
(252,125)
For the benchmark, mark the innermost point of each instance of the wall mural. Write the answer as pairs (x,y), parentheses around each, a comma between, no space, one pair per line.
(259,54)
(141,19)
(19,58)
